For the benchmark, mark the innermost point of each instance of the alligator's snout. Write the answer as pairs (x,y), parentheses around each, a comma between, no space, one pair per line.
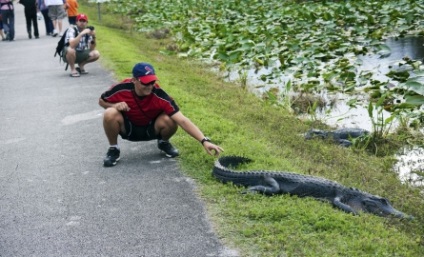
(382,207)
(401,215)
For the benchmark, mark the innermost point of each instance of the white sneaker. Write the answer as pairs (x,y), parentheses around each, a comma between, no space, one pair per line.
(54,33)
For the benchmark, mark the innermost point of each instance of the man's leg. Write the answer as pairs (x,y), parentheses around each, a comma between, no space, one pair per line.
(11,25)
(165,127)
(5,24)
(47,22)
(113,123)
(92,57)
(28,21)
(55,31)
(35,23)
(71,56)
(59,24)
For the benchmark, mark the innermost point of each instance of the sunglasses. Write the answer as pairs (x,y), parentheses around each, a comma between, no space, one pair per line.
(82,21)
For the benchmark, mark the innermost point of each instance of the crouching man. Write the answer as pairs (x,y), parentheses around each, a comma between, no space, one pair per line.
(80,46)
(138,109)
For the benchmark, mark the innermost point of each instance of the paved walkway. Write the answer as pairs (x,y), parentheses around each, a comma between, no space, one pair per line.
(56,199)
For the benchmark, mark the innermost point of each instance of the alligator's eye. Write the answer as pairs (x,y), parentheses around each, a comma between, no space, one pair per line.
(369,203)
(384,201)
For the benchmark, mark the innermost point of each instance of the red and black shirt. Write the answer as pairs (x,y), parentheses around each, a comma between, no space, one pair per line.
(144,109)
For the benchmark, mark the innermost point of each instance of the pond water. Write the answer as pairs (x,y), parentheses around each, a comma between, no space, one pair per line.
(410,47)
(341,115)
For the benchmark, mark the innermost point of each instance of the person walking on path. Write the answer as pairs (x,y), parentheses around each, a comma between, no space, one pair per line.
(137,109)
(3,37)
(80,46)
(72,10)
(8,17)
(56,13)
(47,21)
(30,11)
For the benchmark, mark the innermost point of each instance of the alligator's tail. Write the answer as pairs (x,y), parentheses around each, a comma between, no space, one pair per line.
(222,170)
(232,161)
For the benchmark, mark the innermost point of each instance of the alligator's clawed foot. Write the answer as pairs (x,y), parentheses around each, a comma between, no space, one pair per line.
(248,191)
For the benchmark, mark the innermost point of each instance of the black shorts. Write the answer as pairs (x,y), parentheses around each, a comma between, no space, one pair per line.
(139,133)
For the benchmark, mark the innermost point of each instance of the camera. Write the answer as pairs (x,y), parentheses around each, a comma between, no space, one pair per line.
(90,27)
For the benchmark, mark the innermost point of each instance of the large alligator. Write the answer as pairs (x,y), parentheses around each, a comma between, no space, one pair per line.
(350,200)
(340,136)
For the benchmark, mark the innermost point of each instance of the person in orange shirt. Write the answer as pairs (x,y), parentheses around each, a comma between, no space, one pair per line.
(72,10)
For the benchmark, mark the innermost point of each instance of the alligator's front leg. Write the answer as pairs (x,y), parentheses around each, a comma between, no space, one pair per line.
(270,186)
(344,142)
(336,202)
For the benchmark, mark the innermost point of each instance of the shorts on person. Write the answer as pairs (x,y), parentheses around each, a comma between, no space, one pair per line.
(138,133)
(81,56)
(57,12)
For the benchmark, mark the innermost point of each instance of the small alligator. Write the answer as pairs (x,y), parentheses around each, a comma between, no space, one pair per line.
(350,200)
(340,136)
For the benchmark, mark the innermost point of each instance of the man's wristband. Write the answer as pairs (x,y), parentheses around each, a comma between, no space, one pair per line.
(205,139)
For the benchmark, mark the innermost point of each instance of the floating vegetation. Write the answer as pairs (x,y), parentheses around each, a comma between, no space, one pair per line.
(315,44)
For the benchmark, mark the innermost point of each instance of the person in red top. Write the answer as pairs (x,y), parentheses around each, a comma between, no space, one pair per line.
(71,7)
(138,109)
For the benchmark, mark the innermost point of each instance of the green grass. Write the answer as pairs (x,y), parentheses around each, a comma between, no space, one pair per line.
(244,125)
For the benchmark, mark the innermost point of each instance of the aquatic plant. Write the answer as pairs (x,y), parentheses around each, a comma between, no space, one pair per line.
(315,44)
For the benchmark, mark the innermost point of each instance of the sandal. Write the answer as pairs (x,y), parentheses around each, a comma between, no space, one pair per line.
(74,74)
(81,71)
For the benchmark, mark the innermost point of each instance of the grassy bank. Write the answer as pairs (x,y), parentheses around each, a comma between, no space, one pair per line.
(244,125)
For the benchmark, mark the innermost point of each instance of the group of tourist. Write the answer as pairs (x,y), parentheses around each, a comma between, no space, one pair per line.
(52,11)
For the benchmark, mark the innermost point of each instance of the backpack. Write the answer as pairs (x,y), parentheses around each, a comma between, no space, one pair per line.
(61,45)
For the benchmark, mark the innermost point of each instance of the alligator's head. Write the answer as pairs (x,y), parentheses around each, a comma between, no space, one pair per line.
(348,133)
(376,205)
(313,133)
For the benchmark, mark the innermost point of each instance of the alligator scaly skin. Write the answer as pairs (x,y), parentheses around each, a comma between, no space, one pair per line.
(340,136)
(350,200)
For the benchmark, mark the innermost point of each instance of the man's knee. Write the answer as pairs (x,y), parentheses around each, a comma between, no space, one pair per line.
(111,115)
(164,121)
(94,55)
(70,50)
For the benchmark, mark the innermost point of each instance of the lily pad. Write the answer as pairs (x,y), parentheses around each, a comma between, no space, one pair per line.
(415,86)
(416,100)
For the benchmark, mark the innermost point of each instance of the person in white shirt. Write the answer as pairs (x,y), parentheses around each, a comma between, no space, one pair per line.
(56,13)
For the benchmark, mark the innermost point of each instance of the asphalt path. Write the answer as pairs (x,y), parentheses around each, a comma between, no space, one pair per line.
(56,198)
